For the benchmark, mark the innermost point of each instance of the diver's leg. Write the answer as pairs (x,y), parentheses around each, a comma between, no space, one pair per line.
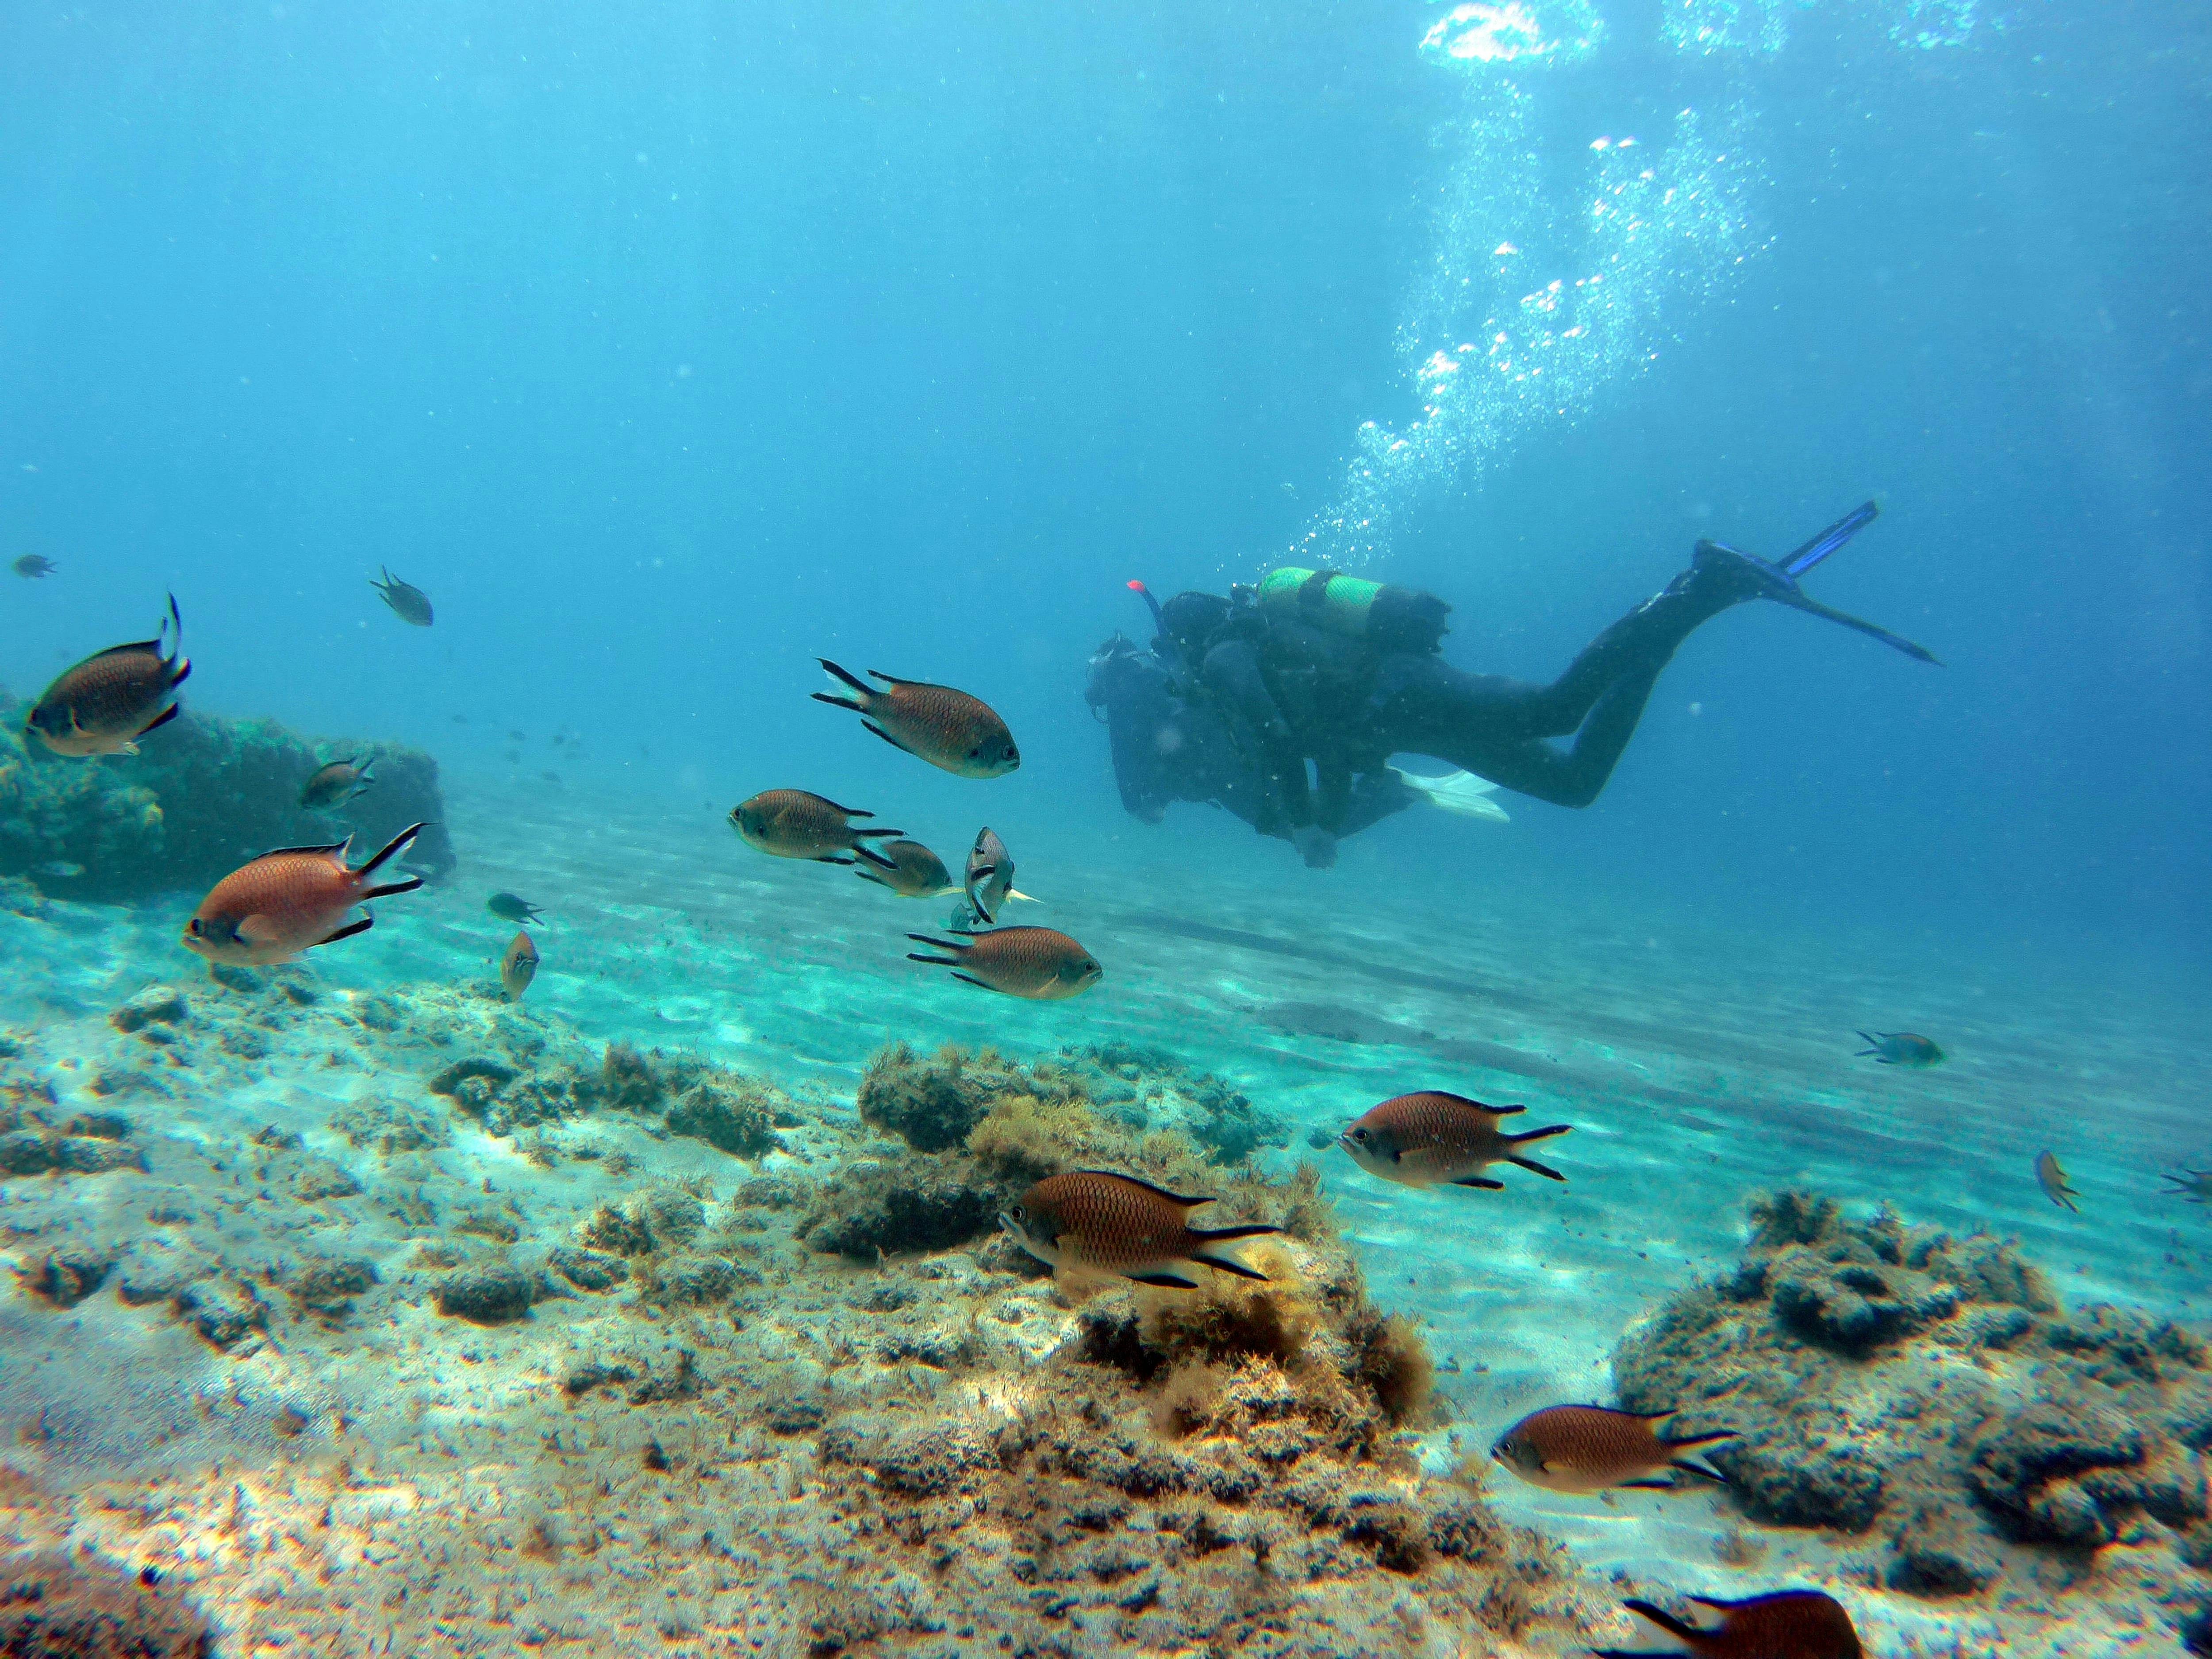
(1566,777)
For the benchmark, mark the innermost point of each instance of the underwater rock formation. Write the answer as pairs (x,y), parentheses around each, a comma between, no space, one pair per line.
(55,1608)
(205,795)
(529,1087)
(1929,1392)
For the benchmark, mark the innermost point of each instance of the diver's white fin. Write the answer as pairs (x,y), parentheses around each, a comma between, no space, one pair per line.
(1463,792)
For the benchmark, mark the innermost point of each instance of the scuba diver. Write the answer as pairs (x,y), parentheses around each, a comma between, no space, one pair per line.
(1283,702)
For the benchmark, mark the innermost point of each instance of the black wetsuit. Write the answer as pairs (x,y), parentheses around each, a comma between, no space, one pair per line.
(1234,702)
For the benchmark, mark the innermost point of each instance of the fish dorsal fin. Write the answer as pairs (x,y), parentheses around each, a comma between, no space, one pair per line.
(893,679)
(336,848)
(1158,1192)
(1474,1105)
(138,647)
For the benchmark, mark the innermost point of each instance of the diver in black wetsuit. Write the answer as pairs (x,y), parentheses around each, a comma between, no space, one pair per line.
(1239,696)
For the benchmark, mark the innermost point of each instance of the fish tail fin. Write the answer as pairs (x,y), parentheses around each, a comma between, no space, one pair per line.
(1693,1441)
(1666,1621)
(1243,1230)
(868,855)
(391,887)
(1536,1134)
(835,702)
(954,945)
(837,673)
(1535,1168)
(858,833)
(399,844)
(1228,1262)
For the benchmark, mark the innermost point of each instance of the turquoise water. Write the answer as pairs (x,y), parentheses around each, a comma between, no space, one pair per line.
(670,350)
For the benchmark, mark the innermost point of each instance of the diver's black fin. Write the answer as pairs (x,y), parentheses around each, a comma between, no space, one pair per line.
(1895,641)
(1480,1180)
(1539,1169)
(346,932)
(1166,1280)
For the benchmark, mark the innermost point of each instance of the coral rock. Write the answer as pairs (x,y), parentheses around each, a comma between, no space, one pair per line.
(486,1295)
(164,1004)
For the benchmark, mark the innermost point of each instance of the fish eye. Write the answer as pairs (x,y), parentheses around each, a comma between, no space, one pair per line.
(1359,1134)
(193,927)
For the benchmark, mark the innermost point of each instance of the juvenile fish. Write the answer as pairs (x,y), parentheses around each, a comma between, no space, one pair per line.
(2052,1179)
(1901,1048)
(990,881)
(289,901)
(1785,1624)
(409,603)
(1038,962)
(334,785)
(2194,1185)
(517,967)
(906,867)
(105,703)
(1585,1449)
(793,824)
(512,907)
(1432,1138)
(1096,1222)
(947,728)
(32,566)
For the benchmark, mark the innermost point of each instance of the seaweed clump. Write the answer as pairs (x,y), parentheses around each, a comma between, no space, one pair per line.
(729,1110)
(1930,1391)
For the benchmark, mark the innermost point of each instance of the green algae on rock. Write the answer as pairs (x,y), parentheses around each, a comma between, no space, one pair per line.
(1926,1396)
(206,794)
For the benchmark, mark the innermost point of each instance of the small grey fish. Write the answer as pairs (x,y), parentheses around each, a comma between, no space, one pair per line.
(409,603)
(512,907)
(32,566)
(334,785)
(990,881)
(1901,1048)
(2052,1179)
(2194,1185)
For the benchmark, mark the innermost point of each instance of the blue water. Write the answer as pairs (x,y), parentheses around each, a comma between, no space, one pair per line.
(670,346)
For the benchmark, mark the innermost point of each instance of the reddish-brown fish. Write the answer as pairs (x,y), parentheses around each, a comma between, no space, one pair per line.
(1786,1625)
(947,728)
(105,704)
(333,785)
(1039,962)
(519,966)
(289,901)
(1430,1138)
(1583,1449)
(1096,1222)
(906,867)
(793,824)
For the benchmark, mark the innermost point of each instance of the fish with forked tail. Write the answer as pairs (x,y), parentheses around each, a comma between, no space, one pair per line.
(792,823)
(105,703)
(1586,1449)
(1783,1625)
(1040,963)
(289,901)
(1432,1138)
(950,729)
(1900,1049)
(407,602)
(906,867)
(1092,1221)
(2052,1179)
(333,785)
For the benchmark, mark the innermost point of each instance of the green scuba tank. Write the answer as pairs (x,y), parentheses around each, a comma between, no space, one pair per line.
(1386,617)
